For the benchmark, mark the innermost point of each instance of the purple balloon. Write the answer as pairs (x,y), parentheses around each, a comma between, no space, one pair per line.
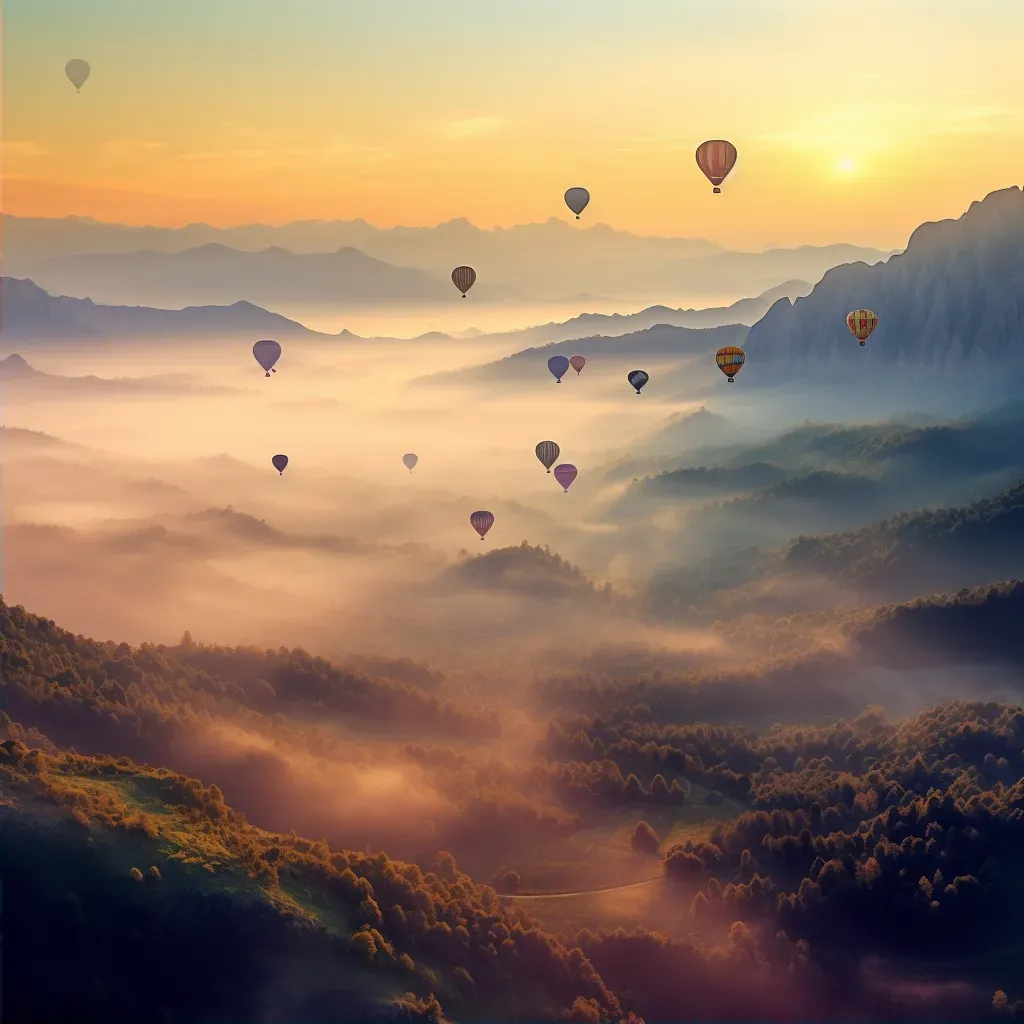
(267,353)
(280,461)
(565,474)
(558,365)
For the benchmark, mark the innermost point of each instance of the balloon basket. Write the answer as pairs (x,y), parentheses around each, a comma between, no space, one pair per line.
(717,191)
(863,343)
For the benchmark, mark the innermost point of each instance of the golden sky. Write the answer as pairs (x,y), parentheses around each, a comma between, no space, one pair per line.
(855,120)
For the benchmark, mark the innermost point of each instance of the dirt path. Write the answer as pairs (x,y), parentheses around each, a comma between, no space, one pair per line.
(583,892)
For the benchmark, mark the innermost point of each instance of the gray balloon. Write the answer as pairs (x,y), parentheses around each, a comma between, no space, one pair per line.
(77,72)
(410,461)
(267,353)
(576,199)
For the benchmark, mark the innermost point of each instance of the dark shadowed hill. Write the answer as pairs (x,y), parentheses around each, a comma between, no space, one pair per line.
(931,549)
(955,296)
(28,312)
(525,569)
(895,559)
(660,342)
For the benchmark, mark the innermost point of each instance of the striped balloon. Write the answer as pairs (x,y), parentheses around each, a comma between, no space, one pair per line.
(548,452)
(463,278)
(861,323)
(716,159)
(730,360)
(482,522)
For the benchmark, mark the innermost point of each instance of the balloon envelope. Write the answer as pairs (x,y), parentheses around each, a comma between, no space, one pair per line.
(565,474)
(730,360)
(576,199)
(482,522)
(77,72)
(547,452)
(716,159)
(463,278)
(558,365)
(410,461)
(638,378)
(280,461)
(577,363)
(861,323)
(267,353)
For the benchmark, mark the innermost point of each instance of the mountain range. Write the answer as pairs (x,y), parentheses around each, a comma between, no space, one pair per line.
(29,313)
(20,380)
(955,295)
(532,262)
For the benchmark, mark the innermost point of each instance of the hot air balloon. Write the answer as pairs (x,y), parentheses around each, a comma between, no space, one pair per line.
(576,199)
(280,461)
(77,72)
(547,452)
(482,522)
(861,323)
(559,366)
(565,474)
(267,353)
(577,363)
(463,278)
(638,378)
(410,461)
(730,360)
(716,159)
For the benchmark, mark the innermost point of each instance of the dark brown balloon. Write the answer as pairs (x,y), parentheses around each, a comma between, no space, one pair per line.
(463,278)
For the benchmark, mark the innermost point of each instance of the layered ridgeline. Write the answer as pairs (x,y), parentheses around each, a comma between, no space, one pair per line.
(552,260)
(29,313)
(954,299)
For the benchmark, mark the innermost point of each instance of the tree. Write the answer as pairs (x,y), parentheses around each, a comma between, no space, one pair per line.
(660,793)
(508,884)
(644,839)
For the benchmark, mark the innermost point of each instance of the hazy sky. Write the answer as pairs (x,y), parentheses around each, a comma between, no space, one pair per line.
(855,120)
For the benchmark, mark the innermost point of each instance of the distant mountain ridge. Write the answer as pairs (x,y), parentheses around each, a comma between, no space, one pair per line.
(614,325)
(216,274)
(549,261)
(660,341)
(954,297)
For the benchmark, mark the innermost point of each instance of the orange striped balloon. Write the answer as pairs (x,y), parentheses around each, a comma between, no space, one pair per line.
(463,278)
(861,323)
(730,360)
(716,159)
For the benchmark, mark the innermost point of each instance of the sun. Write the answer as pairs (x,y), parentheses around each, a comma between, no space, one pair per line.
(845,166)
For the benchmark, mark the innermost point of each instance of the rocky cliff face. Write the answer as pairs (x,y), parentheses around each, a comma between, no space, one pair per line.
(954,297)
